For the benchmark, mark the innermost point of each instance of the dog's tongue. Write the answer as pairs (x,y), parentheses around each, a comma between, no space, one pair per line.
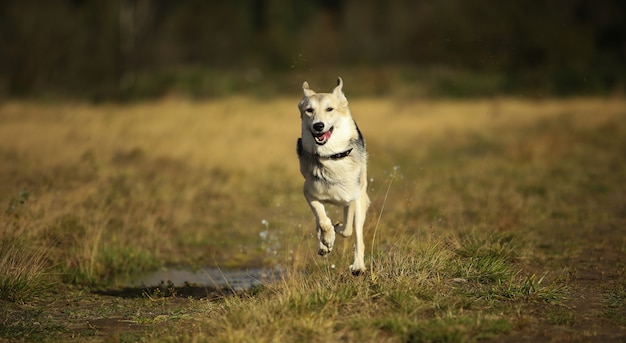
(324,136)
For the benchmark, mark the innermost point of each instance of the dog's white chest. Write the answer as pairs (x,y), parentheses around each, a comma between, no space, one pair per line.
(336,182)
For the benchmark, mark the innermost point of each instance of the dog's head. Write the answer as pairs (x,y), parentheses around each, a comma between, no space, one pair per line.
(323,114)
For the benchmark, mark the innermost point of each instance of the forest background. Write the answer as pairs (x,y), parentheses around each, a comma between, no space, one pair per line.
(137,49)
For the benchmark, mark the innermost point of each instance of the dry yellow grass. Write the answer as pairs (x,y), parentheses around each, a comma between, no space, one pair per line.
(102,191)
(245,146)
(253,134)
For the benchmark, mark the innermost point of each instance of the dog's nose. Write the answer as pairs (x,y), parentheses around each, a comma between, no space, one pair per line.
(318,127)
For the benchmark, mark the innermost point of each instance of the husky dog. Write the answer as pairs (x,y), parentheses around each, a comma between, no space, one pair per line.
(333,162)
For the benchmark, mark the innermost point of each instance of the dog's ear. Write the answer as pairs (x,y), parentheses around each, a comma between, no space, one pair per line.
(338,91)
(307,91)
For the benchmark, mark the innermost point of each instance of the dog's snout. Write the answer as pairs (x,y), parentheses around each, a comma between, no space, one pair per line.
(319,127)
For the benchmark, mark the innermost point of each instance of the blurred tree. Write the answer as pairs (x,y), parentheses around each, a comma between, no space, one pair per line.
(98,48)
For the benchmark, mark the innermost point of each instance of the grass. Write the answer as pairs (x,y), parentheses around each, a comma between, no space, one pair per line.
(490,219)
(23,273)
(24,269)
(413,282)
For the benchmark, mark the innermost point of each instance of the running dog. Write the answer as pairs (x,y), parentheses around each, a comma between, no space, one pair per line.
(333,161)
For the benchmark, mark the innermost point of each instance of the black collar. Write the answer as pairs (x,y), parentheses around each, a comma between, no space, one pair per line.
(337,156)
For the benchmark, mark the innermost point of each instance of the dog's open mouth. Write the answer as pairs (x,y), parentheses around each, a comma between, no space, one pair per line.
(322,137)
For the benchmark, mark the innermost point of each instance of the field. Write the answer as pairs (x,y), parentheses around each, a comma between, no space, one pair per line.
(497,219)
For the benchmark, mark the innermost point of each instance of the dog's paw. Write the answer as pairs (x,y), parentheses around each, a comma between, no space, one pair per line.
(325,246)
(326,242)
(323,251)
(357,271)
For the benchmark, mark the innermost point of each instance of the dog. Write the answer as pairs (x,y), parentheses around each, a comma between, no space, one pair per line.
(333,161)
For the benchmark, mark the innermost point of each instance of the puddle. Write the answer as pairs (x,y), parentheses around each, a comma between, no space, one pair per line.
(235,280)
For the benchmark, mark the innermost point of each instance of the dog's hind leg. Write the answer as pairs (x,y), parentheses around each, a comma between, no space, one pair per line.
(345,228)
(324,227)
(362,204)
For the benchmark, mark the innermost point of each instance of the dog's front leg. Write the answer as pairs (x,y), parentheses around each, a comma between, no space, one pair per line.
(361,206)
(324,227)
(345,228)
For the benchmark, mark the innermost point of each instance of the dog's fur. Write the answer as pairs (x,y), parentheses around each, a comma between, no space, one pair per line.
(333,162)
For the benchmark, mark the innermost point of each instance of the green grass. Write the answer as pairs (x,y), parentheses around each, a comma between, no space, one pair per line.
(615,305)
(489,220)
(23,271)
(325,304)
(414,293)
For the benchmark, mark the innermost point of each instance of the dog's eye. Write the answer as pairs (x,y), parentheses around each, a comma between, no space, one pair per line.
(329,109)
(309,110)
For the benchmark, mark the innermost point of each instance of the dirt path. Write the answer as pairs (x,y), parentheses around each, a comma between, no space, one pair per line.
(594,268)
